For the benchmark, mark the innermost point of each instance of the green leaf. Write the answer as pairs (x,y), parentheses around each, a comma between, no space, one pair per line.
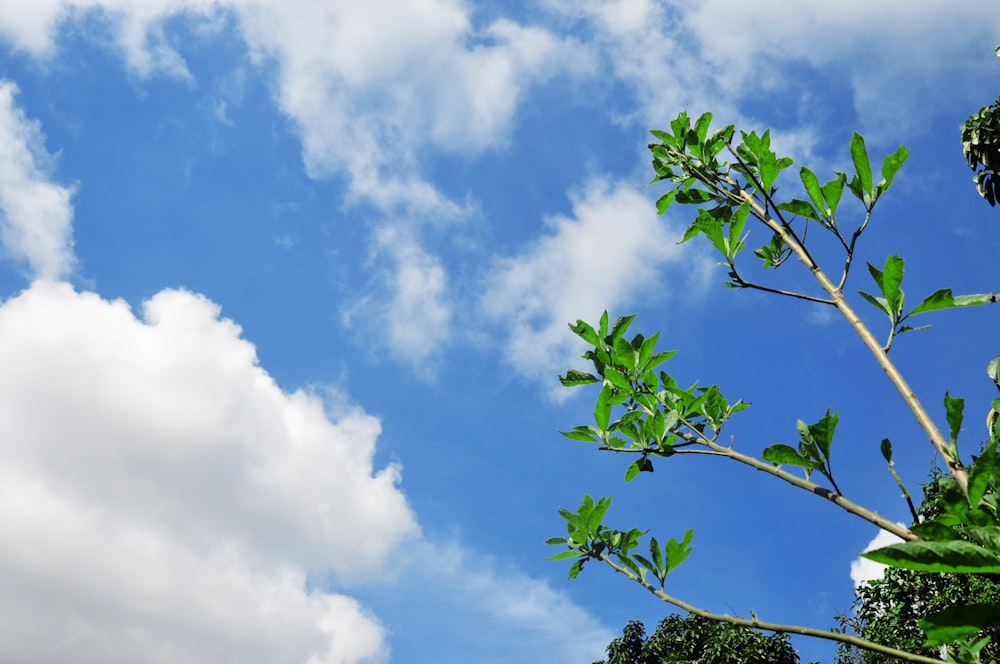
(879,302)
(654,550)
(602,411)
(701,126)
(889,280)
(801,208)
(891,165)
(574,377)
(822,432)
(616,378)
(786,455)
(585,332)
(583,434)
(859,155)
(563,555)
(956,556)
(958,622)
(664,201)
(887,449)
(559,541)
(695,196)
(632,471)
(677,552)
(943,299)
(832,191)
(993,370)
(811,183)
(621,326)
(954,408)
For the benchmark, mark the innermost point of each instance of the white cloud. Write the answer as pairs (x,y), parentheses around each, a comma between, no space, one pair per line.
(36,215)
(864,570)
(608,254)
(165,501)
(410,307)
(505,615)
(710,55)
(371,84)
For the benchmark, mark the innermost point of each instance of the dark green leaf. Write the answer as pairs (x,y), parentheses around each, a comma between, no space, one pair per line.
(887,449)
(689,196)
(556,541)
(574,377)
(654,550)
(956,556)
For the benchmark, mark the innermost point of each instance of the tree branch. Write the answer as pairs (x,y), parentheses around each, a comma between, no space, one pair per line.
(770,627)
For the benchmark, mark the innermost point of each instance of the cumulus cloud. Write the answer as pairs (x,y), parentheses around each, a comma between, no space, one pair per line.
(36,214)
(165,501)
(864,570)
(607,254)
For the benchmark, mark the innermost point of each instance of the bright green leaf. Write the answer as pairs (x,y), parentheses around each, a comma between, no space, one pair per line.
(891,165)
(943,299)
(954,409)
(957,556)
(859,155)
(958,622)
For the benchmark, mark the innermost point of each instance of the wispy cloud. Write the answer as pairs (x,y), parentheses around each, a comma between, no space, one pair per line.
(36,215)
(410,303)
(606,255)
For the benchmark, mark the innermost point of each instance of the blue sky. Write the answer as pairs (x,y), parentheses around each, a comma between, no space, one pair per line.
(286,288)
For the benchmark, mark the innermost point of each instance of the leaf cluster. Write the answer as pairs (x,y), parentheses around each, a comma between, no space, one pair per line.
(641,408)
(981,147)
(588,539)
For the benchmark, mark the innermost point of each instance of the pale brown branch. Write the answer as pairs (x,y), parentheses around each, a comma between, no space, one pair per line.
(770,627)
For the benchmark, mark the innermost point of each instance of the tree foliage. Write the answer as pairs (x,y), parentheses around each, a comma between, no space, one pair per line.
(696,640)
(981,146)
(888,610)
(645,413)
